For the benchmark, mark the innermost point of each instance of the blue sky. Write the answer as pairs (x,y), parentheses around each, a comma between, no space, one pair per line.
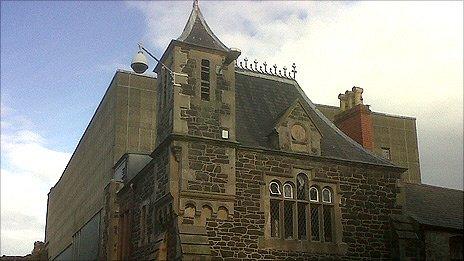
(58,58)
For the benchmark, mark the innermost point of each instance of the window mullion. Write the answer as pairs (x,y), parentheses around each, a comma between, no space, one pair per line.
(321,223)
(295,219)
(281,219)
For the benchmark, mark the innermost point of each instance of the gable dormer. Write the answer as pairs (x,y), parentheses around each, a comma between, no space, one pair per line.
(295,131)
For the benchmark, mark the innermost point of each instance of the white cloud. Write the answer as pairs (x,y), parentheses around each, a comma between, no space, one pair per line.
(25,151)
(406,55)
(28,170)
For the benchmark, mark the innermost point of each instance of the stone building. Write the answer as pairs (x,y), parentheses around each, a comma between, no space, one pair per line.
(236,163)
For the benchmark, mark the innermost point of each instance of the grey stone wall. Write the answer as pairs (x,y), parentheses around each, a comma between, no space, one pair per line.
(367,198)
(202,121)
(207,163)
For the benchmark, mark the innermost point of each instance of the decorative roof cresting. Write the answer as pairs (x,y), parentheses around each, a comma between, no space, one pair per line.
(265,69)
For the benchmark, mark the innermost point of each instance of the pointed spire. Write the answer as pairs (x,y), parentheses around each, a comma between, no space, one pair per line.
(197,31)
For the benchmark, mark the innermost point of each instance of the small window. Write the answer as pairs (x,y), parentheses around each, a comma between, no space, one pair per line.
(288,191)
(326,195)
(274,188)
(204,63)
(386,153)
(205,80)
(313,194)
(301,186)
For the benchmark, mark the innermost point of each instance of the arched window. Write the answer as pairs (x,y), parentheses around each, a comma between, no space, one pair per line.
(314,194)
(301,186)
(327,212)
(305,215)
(288,190)
(274,188)
(326,195)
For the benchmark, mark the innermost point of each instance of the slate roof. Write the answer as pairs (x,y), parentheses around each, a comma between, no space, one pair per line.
(261,99)
(434,206)
(197,32)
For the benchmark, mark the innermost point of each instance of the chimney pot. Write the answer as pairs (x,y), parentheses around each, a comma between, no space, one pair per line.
(355,118)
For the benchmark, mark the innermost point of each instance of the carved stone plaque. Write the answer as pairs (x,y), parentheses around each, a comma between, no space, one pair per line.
(298,133)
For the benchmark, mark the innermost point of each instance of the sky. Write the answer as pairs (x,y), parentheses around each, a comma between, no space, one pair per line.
(58,58)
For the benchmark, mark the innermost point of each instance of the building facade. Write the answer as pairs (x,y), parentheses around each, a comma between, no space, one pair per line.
(236,163)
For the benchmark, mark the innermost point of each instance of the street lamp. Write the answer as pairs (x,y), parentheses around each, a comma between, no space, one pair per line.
(140,65)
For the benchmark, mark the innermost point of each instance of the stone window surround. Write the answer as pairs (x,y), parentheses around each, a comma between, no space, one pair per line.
(334,247)
(330,195)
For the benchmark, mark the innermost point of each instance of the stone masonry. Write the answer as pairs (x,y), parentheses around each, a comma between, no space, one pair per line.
(367,199)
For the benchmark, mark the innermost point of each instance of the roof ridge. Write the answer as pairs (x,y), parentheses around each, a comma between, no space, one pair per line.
(263,75)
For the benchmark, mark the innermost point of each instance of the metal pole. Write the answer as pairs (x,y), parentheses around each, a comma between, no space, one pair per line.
(152,56)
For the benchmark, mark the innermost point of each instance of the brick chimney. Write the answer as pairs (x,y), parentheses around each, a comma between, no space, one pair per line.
(355,118)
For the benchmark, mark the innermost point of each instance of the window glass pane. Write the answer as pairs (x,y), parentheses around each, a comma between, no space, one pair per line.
(328,223)
(205,76)
(288,191)
(275,214)
(302,221)
(205,97)
(274,188)
(326,195)
(288,219)
(313,194)
(386,153)
(315,223)
(301,181)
